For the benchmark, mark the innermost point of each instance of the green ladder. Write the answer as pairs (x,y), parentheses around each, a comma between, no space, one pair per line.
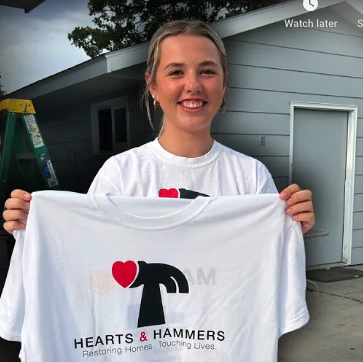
(17,113)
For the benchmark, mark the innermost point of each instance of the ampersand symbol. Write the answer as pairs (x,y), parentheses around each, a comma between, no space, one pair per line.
(143,337)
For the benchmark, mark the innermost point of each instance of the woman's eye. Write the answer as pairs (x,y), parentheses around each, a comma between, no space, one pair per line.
(176,72)
(208,71)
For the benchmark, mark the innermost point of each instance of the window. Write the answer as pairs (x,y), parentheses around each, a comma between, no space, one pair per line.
(119,116)
(110,130)
(105,129)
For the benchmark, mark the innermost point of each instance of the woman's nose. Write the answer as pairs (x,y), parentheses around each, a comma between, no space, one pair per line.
(192,83)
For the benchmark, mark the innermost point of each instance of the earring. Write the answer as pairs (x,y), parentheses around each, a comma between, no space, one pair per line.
(223,105)
(156,104)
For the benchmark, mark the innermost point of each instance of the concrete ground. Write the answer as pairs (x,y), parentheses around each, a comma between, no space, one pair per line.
(334,332)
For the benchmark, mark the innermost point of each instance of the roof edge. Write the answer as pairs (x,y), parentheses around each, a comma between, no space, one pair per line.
(70,76)
(34,5)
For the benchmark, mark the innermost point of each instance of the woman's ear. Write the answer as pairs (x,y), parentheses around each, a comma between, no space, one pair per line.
(150,87)
(225,81)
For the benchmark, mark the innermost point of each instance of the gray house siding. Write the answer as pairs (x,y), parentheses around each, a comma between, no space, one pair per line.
(271,66)
(68,135)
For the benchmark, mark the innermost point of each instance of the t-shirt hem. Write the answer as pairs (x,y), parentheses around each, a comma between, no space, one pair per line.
(295,324)
(9,336)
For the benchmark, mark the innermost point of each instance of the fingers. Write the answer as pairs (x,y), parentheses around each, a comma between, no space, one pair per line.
(299,196)
(305,217)
(14,215)
(306,206)
(299,206)
(290,190)
(20,194)
(16,212)
(10,226)
(15,220)
(17,203)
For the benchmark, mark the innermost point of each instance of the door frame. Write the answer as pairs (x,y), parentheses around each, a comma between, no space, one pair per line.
(352,111)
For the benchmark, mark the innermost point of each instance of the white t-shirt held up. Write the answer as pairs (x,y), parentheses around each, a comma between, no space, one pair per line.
(104,278)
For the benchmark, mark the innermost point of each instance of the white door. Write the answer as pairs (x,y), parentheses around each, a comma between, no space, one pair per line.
(319,164)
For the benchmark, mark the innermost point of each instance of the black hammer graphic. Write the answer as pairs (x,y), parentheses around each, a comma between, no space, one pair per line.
(134,274)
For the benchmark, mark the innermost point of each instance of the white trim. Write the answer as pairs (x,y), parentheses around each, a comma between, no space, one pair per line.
(123,58)
(115,103)
(350,165)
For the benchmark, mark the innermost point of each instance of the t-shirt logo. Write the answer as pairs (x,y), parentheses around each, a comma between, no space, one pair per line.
(134,274)
(180,193)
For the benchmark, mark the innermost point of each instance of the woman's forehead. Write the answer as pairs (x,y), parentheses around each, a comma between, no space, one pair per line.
(183,48)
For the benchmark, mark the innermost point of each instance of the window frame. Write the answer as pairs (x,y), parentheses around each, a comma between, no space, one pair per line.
(114,104)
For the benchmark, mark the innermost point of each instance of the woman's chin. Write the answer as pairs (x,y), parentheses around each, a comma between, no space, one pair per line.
(194,125)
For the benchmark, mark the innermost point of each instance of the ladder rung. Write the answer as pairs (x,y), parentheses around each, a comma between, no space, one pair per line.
(25,156)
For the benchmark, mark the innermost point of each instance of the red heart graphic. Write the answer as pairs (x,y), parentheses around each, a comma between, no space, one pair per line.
(124,273)
(174,193)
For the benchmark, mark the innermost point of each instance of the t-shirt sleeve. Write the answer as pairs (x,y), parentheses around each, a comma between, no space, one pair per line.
(269,187)
(265,184)
(12,301)
(293,312)
(108,179)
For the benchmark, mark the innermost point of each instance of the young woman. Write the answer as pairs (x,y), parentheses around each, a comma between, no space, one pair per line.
(187,77)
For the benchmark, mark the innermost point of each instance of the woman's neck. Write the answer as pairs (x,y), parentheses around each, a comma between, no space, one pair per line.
(186,144)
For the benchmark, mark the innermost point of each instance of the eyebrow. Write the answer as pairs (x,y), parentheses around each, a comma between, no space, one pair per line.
(202,64)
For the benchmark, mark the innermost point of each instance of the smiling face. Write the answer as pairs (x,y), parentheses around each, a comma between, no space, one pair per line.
(189,82)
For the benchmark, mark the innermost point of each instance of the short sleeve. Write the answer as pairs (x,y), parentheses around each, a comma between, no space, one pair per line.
(265,184)
(269,187)
(108,179)
(12,300)
(293,312)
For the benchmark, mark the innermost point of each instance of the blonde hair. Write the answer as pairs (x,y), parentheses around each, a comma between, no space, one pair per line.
(174,28)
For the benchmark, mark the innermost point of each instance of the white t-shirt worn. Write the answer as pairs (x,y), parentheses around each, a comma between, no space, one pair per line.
(102,278)
(151,171)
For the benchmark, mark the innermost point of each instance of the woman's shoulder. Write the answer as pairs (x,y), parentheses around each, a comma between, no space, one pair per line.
(138,151)
(110,176)
(134,155)
(232,154)
(252,171)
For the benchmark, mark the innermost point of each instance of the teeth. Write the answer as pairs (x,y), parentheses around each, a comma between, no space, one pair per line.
(192,104)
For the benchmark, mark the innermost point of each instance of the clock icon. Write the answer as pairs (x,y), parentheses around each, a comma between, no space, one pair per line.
(310,5)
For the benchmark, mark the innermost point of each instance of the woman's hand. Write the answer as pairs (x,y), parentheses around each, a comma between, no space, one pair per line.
(16,213)
(299,206)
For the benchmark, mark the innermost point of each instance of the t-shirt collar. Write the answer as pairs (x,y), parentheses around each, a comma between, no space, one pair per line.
(125,210)
(163,154)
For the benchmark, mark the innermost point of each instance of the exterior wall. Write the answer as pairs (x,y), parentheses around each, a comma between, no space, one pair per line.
(270,67)
(68,135)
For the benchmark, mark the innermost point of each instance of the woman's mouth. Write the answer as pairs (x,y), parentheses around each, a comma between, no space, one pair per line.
(192,105)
